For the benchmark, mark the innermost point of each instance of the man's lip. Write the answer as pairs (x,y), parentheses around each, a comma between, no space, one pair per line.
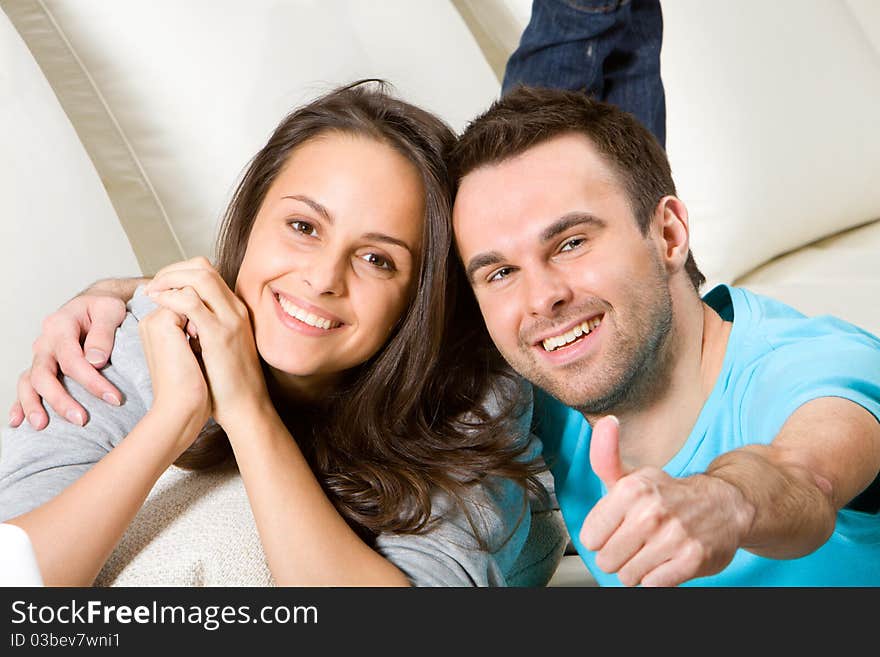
(565,328)
(309,307)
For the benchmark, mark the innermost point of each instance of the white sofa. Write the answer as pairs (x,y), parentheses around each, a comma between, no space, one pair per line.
(124,125)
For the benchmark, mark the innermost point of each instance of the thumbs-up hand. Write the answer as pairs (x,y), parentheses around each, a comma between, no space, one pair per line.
(605,451)
(653,529)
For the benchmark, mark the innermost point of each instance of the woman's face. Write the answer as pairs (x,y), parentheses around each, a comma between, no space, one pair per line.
(332,257)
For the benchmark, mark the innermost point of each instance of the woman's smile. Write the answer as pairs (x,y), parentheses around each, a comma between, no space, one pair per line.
(306,318)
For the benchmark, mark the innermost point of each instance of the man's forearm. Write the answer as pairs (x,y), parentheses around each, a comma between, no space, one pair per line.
(122,288)
(793,510)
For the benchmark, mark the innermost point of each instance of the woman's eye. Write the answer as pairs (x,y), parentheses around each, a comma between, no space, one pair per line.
(573,243)
(378,261)
(500,274)
(303,227)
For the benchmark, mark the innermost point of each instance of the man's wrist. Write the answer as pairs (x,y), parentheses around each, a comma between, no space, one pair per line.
(744,510)
(121,288)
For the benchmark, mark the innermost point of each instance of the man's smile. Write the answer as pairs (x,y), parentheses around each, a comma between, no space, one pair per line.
(565,337)
(570,342)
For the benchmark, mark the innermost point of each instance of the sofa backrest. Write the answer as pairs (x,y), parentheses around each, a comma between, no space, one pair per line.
(172,99)
(772,121)
(772,118)
(58,229)
(772,124)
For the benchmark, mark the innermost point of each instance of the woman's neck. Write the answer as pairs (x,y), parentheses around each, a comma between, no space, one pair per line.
(310,389)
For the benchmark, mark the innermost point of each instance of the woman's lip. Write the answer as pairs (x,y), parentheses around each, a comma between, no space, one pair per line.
(308,307)
(300,326)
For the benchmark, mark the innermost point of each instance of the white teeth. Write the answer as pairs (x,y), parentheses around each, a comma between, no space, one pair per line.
(306,317)
(553,343)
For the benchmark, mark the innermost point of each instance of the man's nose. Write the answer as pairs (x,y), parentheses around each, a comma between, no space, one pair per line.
(326,276)
(547,293)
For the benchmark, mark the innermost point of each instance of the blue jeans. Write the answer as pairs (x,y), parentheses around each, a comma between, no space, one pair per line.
(607,48)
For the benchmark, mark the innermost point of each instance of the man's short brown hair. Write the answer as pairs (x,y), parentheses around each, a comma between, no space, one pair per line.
(528,116)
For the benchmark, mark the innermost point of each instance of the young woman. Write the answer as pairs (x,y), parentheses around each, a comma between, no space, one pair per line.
(333,355)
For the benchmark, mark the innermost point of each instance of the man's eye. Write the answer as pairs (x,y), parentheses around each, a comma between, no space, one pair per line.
(572,244)
(378,261)
(500,274)
(303,227)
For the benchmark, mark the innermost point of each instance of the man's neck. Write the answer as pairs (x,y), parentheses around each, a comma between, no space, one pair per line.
(652,433)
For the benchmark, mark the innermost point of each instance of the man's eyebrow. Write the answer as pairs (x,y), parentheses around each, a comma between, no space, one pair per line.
(567,221)
(317,207)
(382,237)
(559,226)
(482,260)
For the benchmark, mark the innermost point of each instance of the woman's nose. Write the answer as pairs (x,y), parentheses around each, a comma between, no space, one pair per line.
(326,276)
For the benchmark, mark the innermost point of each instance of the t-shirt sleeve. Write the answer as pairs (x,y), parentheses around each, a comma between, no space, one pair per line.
(37,465)
(845,365)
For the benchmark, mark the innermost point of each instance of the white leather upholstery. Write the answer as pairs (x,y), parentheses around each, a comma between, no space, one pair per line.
(838,276)
(172,101)
(772,125)
(58,230)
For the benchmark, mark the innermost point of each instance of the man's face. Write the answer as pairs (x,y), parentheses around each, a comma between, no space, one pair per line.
(574,296)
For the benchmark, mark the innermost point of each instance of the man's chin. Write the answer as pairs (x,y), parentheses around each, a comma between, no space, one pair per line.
(573,391)
(567,391)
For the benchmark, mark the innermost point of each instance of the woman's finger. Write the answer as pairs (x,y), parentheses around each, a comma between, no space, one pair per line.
(188,304)
(209,286)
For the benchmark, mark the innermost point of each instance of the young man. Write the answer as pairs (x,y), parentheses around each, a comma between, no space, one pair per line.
(725,440)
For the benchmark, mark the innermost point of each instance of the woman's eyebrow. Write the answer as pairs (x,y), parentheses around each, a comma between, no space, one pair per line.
(382,237)
(317,207)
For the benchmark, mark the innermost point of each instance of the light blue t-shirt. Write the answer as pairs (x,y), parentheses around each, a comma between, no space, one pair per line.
(777,359)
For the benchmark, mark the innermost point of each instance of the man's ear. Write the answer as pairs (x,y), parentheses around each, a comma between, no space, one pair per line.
(671,223)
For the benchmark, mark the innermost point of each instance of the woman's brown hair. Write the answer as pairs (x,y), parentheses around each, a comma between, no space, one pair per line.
(410,421)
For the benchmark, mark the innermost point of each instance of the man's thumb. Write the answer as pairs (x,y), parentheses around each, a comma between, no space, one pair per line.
(105,315)
(605,450)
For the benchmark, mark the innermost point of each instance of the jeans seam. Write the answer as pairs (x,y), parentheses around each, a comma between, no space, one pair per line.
(610,6)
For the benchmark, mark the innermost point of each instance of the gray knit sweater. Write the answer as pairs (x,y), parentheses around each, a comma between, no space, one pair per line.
(37,465)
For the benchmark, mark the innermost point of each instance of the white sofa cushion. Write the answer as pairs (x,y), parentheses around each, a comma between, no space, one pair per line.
(867,13)
(835,276)
(58,230)
(195,529)
(187,92)
(772,125)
